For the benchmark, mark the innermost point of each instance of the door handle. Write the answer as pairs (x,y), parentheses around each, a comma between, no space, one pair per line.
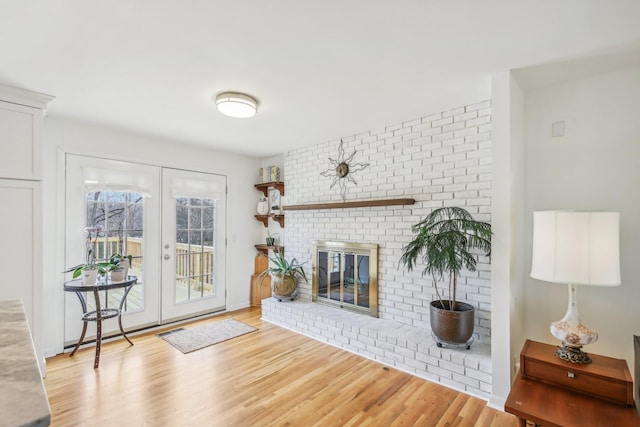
(166,257)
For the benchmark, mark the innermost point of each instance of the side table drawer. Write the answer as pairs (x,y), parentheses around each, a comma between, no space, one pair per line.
(579,381)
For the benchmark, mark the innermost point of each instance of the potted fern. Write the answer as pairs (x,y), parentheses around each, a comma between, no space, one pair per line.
(445,240)
(284,276)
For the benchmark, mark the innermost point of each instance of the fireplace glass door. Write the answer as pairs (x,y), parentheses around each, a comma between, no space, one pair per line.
(343,277)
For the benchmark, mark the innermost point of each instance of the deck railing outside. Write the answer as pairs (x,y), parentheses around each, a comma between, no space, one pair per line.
(194,269)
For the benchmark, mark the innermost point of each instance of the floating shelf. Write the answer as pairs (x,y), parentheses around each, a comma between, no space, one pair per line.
(265,249)
(264,187)
(354,204)
(265,219)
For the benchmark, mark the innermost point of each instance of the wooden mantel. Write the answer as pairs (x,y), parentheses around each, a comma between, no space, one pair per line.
(354,204)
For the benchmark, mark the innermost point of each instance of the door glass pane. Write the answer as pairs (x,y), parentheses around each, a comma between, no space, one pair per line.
(195,249)
(195,218)
(118,217)
(208,218)
(182,217)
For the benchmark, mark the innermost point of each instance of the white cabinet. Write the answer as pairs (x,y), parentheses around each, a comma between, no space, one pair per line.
(20,142)
(20,256)
(21,115)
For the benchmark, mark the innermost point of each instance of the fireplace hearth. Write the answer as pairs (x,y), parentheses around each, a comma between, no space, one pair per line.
(345,275)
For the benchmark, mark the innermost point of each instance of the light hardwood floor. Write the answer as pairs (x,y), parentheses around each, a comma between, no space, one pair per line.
(272,377)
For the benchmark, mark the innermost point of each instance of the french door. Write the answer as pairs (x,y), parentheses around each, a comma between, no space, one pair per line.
(171,221)
(193,243)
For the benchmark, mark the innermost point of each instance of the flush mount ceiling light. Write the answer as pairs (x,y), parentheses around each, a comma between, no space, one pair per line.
(234,104)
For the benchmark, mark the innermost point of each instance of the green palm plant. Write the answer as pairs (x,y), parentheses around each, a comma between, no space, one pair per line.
(444,240)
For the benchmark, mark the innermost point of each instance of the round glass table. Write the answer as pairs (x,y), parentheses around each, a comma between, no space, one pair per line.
(99,313)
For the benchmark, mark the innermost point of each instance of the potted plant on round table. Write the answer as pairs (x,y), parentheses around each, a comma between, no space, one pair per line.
(284,276)
(121,265)
(444,240)
(89,270)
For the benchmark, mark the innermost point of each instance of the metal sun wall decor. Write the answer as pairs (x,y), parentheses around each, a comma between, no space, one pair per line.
(342,171)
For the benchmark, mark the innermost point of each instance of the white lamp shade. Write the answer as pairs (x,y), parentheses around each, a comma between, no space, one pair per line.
(237,105)
(581,248)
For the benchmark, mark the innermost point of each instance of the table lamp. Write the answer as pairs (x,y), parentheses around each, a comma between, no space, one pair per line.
(576,248)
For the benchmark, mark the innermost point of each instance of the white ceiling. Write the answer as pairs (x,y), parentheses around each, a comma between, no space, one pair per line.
(320,70)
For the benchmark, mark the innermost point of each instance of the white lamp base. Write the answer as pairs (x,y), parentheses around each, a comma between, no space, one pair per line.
(573,333)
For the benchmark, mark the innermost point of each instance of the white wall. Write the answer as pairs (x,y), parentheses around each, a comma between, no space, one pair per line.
(507,216)
(63,135)
(595,166)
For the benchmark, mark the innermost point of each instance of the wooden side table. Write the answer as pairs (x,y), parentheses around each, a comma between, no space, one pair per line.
(551,400)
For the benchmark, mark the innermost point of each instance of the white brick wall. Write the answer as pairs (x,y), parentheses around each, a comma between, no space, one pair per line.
(440,160)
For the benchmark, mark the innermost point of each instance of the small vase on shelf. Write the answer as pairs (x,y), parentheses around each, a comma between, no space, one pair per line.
(271,238)
(263,206)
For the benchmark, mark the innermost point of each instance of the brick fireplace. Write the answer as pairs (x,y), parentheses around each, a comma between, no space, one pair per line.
(442,159)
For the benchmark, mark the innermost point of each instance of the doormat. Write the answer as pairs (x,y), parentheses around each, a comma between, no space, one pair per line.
(188,340)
